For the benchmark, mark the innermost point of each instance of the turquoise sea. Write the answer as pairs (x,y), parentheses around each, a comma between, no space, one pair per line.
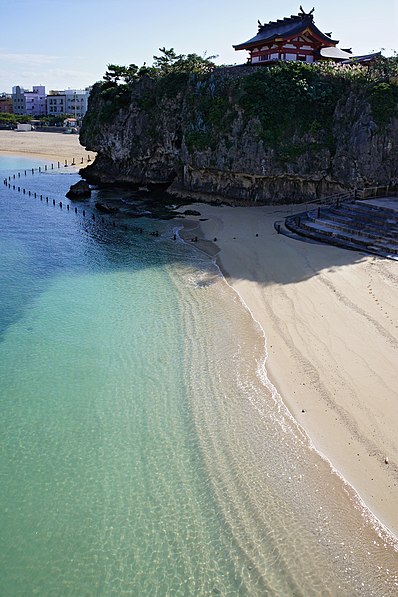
(143,450)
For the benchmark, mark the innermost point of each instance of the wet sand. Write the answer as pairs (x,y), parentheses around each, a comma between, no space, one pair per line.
(330,317)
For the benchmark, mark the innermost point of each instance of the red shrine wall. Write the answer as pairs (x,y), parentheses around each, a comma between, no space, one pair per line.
(288,51)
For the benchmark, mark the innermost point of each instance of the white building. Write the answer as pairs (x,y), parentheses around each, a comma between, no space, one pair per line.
(56,103)
(69,101)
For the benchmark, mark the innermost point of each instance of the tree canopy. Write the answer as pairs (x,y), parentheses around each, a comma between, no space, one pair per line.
(168,62)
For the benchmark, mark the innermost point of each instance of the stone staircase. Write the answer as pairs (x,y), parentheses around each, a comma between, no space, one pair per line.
(362,225)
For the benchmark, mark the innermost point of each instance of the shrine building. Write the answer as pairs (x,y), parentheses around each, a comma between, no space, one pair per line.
(293,38)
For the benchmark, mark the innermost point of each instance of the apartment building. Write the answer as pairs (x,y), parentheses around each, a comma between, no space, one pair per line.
(5,103)
(32,103)
(72,102)
(69,101)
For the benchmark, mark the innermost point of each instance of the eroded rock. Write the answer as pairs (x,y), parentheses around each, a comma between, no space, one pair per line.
(80,190)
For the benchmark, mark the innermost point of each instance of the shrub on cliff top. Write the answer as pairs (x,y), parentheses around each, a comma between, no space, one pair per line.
(166,64)
(171,63)
(383,99)
(287,98)
(291,97)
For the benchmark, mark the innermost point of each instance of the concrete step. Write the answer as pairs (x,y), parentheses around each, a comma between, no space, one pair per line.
(370,205)
(350,226)
(353,225)
(366,215)
(361,242)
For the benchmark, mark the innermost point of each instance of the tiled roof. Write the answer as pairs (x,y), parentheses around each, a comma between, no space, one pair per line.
(287,27)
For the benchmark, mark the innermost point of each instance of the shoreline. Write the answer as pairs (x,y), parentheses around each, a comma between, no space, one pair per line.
(329,318)
(354,436)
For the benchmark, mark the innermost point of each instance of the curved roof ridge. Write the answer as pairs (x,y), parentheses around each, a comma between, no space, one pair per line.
(286,27)
(284,21)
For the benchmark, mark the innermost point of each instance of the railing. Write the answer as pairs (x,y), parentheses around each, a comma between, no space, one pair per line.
(352,194)
(373,192)
(336,198)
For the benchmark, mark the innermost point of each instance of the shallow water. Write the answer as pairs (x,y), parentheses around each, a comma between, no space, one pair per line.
(144,451)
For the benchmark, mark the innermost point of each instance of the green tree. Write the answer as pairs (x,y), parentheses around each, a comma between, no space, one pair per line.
(169,63)
(166,61)
(114,73)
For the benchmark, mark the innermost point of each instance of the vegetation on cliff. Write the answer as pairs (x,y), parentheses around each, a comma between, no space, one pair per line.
(292,118)
(167,63)
(287,98)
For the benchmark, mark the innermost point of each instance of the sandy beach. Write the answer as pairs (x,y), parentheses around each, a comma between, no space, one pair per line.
(55,146)
(330,317)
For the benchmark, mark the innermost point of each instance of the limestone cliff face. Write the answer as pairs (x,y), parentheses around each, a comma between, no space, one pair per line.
(226,137)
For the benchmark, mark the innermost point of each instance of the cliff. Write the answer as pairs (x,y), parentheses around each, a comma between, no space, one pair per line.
(291,133)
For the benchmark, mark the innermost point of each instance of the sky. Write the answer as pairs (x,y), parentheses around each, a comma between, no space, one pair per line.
(69,43)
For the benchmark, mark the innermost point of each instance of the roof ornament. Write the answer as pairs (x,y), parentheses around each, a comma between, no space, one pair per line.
(303,14)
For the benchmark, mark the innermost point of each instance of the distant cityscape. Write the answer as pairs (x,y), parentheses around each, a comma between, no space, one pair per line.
(38,103)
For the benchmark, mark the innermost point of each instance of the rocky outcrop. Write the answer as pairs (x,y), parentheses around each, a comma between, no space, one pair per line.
(80,190)
(204,140)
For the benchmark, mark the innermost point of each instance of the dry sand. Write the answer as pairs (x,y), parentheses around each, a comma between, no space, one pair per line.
(330,317)
(55,146)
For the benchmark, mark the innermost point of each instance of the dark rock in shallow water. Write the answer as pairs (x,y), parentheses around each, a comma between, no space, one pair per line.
(191,212)
(105,208)
(80,190)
